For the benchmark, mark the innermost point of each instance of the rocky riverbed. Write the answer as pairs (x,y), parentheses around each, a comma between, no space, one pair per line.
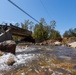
(40,60)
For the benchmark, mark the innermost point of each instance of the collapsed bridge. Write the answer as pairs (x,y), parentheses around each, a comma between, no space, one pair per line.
(6,33)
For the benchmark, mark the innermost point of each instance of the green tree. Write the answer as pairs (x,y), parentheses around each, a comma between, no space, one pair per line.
(66,34)
(27,24)
(40,33)
(42,20)
(55,35)
(53,24)
(70,33)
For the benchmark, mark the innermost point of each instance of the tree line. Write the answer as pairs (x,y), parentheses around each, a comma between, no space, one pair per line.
(70,33)
(43,31)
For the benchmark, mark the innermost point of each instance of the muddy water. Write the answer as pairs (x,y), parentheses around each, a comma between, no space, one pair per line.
(50,60)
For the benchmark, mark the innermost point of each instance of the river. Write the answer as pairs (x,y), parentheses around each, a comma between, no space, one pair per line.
(47,60)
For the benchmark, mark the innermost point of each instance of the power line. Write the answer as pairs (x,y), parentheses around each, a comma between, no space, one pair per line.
(23,11)
(45,9)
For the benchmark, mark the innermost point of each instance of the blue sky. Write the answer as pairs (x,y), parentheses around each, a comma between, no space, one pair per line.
(62,11)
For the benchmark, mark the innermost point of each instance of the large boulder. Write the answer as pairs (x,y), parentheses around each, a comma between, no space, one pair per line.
(7,60)
(8,46)
(73,44)
(57,43)
(10,61)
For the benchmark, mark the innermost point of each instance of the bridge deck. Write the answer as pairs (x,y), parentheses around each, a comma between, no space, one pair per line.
(20,32)
(17,31)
